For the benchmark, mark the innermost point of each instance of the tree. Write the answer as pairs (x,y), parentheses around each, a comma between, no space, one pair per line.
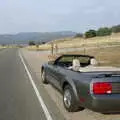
(90,34)
(31,43)
(104,31)
(43,42)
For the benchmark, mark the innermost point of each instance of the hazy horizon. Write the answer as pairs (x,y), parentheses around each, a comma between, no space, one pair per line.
(53,16)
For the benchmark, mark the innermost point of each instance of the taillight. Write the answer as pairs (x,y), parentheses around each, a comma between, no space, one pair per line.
(102,88)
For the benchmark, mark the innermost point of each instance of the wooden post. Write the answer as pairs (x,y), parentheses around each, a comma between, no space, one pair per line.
(52,48)
(56,48)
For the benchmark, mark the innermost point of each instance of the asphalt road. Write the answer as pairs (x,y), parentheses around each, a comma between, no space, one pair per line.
(18,100)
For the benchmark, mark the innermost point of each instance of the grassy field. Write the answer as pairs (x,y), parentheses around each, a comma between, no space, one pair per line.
(114,39)
(1,47)
(106,56)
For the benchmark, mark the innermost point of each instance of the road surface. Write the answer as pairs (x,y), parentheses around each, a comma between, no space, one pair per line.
(19,98)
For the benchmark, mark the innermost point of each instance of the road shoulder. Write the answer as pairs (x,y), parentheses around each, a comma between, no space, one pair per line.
(51,106)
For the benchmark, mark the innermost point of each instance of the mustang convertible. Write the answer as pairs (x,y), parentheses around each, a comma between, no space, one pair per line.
(83,84)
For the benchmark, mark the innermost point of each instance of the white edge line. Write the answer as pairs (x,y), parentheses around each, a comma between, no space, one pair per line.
(46,112)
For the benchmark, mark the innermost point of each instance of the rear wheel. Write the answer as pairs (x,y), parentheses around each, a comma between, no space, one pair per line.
(43,76)
(69,100)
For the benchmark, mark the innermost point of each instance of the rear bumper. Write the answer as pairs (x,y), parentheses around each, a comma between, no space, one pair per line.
(105,103)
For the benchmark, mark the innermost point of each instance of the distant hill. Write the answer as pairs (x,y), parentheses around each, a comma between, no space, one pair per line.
(24,38)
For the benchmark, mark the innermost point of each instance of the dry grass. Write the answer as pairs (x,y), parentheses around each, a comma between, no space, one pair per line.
(1,47)
(80,42)
(41,47)
(106,56)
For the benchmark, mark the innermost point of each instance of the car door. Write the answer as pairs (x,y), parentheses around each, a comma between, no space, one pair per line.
(57,70)
(49,73)
(55,76)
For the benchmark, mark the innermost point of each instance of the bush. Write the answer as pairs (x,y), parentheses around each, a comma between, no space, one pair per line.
(90,34)
(104,31)
(31,43)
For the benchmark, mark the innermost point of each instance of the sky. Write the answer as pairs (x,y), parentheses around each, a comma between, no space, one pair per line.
(57,15)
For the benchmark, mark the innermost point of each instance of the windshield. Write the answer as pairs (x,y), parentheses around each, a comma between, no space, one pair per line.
(67,60)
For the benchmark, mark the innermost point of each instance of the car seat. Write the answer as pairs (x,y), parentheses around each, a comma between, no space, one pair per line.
(76,65)
(93,62)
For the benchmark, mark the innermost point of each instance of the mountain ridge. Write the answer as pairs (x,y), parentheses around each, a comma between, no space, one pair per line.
(25,37)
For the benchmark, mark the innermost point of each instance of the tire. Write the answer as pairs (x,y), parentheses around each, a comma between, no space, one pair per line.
(69,100)
(43,77)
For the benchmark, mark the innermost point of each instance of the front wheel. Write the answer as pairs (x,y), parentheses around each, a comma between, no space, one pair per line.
(69,100)
(43,77)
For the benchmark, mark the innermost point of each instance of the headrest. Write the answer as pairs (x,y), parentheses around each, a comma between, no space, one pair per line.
(76,64)
(93,61)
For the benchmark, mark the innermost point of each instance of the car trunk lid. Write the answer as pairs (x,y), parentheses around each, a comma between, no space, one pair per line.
(107,82)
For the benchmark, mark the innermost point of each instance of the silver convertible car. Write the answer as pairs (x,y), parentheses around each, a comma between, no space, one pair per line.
(83,84)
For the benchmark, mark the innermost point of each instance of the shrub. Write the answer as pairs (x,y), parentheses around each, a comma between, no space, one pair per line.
(90,34)
(31,43)
(104,31)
